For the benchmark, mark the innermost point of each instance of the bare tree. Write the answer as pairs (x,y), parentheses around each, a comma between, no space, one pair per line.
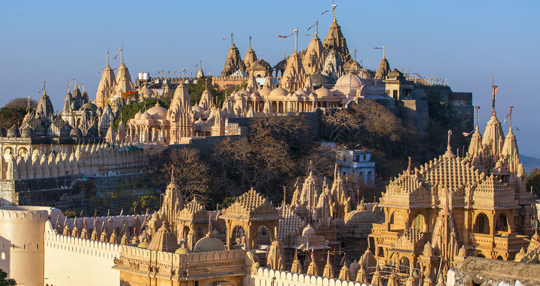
(190,172)
(21,102)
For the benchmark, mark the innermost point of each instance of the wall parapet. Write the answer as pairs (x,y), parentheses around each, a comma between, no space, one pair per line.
(266,276)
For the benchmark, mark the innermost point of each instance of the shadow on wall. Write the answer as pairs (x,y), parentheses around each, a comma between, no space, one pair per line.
(5,251)
(5,203)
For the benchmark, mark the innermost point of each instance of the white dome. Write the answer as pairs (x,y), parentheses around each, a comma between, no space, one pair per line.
(323,92)
(349,81)
(278,93)
(146,116)
(157,112)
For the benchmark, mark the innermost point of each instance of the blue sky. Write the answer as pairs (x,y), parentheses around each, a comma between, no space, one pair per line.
(466,42)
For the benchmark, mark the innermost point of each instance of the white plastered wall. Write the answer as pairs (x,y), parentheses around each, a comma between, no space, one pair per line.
(76,261)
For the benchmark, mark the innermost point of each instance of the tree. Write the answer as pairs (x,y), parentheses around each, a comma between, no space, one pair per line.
(4,281)
(533,181)
(190,172)
(11,115)
(21,102)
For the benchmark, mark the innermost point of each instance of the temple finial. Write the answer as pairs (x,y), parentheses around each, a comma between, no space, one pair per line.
(334,10)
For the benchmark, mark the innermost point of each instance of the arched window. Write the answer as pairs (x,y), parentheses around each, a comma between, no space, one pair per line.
(482,224)
(502,223)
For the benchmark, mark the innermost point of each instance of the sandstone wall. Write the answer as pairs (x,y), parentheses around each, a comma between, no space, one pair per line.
(63,192)
(267,277)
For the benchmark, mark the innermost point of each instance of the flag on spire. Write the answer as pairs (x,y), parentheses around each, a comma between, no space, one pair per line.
(509,115)
(286,36)
(494,93)
(312,26)
(117,53)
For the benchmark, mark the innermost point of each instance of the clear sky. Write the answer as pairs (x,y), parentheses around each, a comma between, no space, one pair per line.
(466,42)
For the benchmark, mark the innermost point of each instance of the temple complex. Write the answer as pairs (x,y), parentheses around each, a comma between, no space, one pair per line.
(453,207)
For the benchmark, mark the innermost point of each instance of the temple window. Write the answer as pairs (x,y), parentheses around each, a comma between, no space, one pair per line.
(502,223)
(482,224)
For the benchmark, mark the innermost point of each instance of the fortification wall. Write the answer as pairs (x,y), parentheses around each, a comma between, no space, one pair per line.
(21,242)
(416,113)
(63,192)
(75,261)
(267,277)
(462,117)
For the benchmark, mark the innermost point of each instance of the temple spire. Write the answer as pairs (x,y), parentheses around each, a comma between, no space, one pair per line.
(107,58)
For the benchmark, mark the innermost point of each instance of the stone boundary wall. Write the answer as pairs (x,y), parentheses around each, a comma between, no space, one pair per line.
(76,261)
(268,277)
(107,183)
(63,192)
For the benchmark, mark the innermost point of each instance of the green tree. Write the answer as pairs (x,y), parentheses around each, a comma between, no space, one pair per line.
(533,181)
(4,281)
(11,115)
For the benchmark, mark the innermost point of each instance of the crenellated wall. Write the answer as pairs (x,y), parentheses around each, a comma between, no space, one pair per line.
(88,159)
(271,277)
(76,261)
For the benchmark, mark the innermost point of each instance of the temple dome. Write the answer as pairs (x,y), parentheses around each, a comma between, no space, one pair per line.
(182,250)
(146,116)
(323,92)
(13,131)
(338,222)
(308,231)
(278,93)
(359,218)
(264,91)
(209,244)
(138,115)
(157,112)
(349,81)
(75,132)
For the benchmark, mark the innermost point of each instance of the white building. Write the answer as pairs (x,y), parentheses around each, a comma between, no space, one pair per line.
(357,163)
